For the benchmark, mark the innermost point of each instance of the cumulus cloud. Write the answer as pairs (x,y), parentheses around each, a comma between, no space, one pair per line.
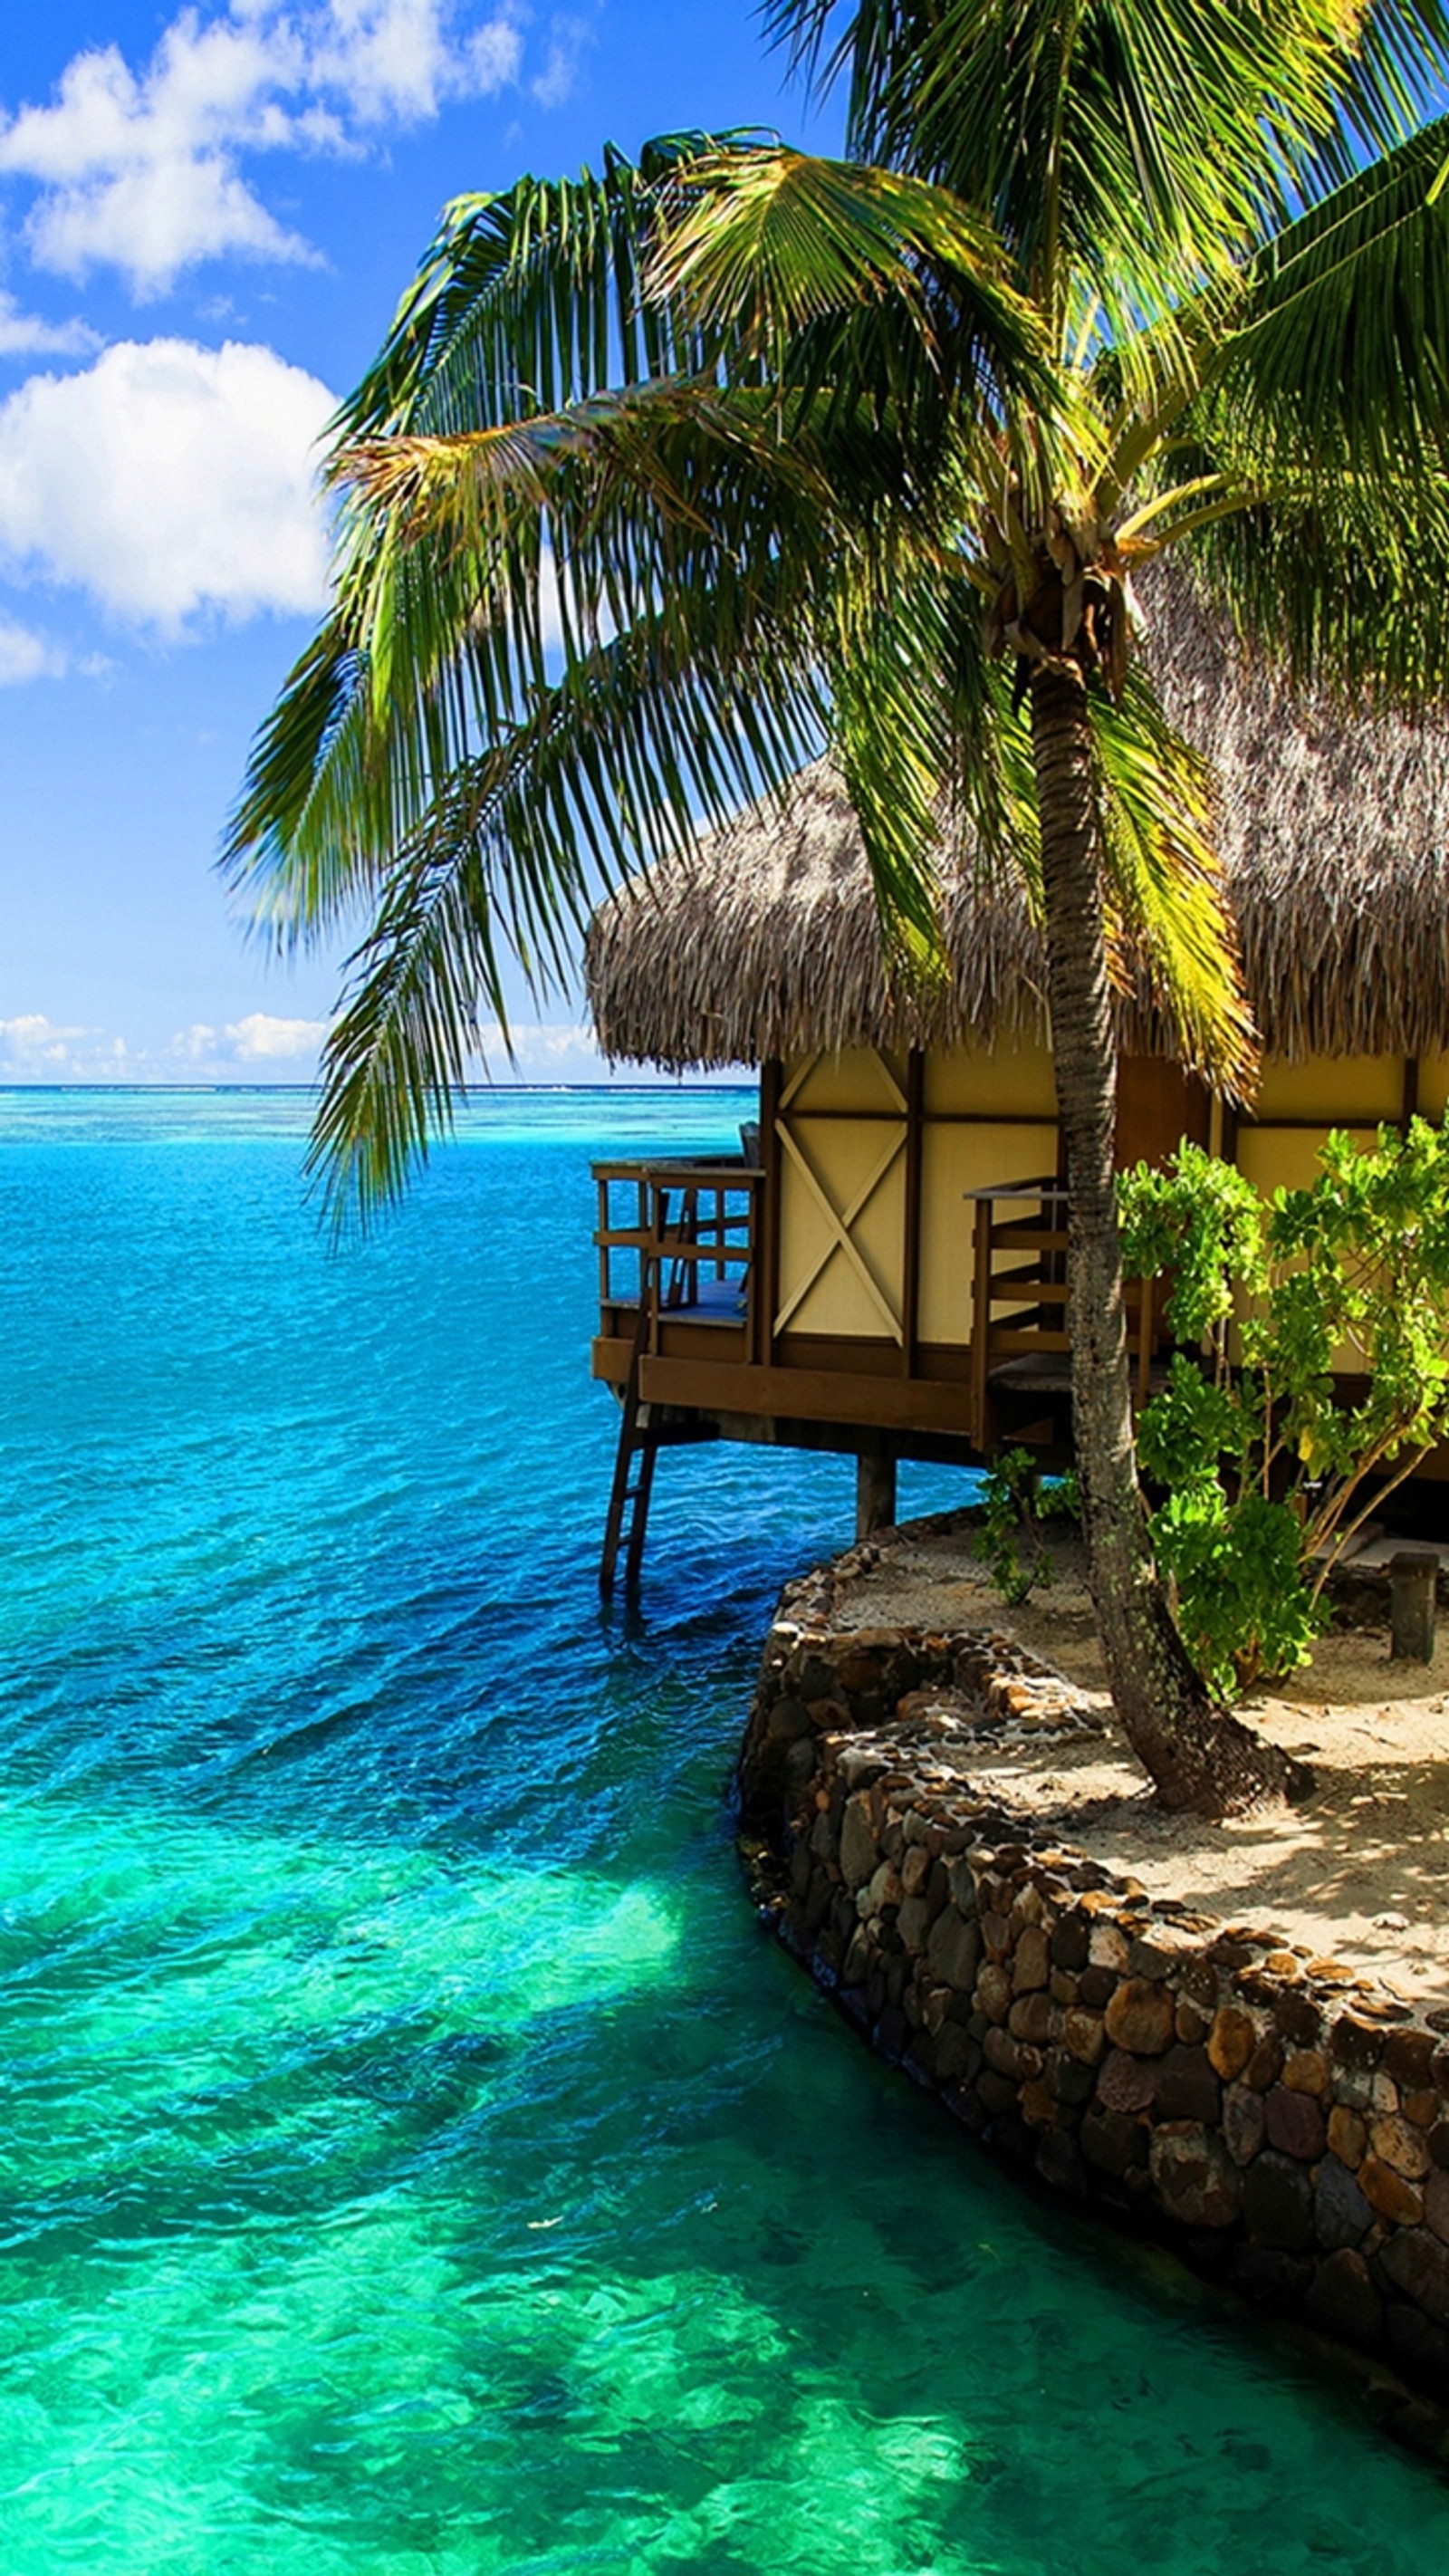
(167,479)
(262,1039)
(265,1046)
(142,170)
(25,335)
(25,655)
(568,38)
(35,1048)
(543,1051)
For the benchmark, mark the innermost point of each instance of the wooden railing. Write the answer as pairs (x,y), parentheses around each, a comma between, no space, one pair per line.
(1019,1292)
(679,1242)
(685,1244)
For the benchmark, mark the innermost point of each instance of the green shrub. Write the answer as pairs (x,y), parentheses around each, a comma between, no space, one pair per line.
(1262,1454)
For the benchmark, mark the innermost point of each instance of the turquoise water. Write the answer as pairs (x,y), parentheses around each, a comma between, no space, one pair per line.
(415,2160)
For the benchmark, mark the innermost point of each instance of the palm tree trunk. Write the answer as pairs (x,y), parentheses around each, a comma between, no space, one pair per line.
(1197,1755)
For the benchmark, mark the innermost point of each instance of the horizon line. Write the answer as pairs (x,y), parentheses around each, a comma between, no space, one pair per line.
(482,1090)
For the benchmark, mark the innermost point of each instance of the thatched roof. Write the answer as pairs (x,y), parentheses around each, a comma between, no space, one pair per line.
(762,939)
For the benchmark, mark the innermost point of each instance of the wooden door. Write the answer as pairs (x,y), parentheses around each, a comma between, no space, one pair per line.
(1159,1107)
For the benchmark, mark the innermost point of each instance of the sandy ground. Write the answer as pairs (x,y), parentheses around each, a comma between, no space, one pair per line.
(1359,1874)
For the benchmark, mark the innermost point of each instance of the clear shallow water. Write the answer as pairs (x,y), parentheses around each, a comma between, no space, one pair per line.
(413,2160)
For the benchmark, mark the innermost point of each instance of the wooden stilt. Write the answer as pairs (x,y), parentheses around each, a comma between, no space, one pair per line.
(1413,1584)
(875,1492)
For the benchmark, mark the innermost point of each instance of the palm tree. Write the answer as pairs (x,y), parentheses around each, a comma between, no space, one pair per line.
(787,450)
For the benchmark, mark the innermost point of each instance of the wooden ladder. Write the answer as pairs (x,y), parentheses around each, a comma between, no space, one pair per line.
(634,1464)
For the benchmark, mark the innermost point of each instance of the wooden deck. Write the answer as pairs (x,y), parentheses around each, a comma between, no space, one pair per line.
(688,1303)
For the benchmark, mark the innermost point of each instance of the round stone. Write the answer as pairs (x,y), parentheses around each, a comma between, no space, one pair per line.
(1192,2175)
(1231,2041)
(1140,2017)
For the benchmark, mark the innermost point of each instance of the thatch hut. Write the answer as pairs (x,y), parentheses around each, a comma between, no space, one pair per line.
(888,1266)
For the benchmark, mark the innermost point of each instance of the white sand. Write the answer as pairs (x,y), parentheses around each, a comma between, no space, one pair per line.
(1359,1874)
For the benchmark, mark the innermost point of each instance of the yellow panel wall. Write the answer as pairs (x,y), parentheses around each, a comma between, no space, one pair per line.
(1434,1085)
(1015,1082)
(856,1078)
(821,1290)
(1337,1089)
(956,1159)
(1286,1158)
(1276,1158)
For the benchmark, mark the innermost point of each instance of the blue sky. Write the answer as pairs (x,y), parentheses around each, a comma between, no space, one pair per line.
(207,214)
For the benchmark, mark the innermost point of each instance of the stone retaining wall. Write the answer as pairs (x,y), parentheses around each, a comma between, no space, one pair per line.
(1280,2116)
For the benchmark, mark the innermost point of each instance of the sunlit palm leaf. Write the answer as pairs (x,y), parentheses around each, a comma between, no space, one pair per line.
(1339,352)
(1134,145)
(640,506)
(652,729)
(1168,908)
(923,735)
(771,241)
(530,300)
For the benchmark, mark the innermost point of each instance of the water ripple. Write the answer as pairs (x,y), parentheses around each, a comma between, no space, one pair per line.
(415,2163)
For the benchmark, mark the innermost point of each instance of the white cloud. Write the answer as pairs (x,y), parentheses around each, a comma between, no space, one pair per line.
(259,1047)
(169,478)
(25,335)
(567,40)
(266,1047)
(543,1051)
(397,61)
(196,1044)
(141,170)
(262,1039)
(34,1048)
(25,655)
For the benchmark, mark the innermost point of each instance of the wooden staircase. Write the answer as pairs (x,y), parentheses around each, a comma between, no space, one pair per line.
(644,1429)
(627,1520)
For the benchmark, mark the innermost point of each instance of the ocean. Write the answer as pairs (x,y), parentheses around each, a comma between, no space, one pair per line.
(415,2160)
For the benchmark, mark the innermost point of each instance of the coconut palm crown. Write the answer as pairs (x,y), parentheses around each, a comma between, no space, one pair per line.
(669,476)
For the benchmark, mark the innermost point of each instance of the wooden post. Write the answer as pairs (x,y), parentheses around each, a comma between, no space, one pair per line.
(981,1321)
(911,1250)
(875,1492)
(767,1243)
(1413,1582)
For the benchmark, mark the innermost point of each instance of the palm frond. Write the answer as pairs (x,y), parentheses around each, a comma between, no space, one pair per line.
(1337,358)
(1393,79)
(634,508)
(306,791)
(1167,905)
(530,300)
(668,725)
(1138,148)
(772,241)
(924,736)
(1340,588)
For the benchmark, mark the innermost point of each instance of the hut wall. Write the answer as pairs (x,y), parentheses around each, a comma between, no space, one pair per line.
(1342,1091)
(989,1116)
(841,1128)
(1298,1104)
(1433,1085)
(986,1115)
(844,1124)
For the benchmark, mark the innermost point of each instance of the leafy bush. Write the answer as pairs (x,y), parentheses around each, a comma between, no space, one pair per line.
(1262,1451)
(1015,1499)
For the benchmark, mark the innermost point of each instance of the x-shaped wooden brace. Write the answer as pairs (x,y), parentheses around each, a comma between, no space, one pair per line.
(840,1221)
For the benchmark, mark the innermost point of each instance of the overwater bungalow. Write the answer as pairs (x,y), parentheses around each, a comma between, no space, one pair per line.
(881,1270)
